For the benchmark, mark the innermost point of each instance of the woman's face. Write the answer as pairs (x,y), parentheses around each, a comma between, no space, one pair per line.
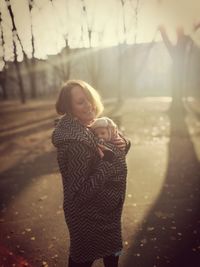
(82,108)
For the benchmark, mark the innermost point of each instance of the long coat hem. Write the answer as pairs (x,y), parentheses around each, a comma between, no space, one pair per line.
(97,257)
(94,191)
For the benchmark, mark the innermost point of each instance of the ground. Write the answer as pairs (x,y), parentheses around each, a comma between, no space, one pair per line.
(161,218)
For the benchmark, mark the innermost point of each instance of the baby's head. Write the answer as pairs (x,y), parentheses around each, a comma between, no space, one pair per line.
(104,128)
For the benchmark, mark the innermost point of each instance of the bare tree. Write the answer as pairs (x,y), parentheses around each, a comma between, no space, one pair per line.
(63,69)
(178,53)
(121,56)
(3,73)
(136,20)
(93,58)
(15,39)
(29,63)
(32,64)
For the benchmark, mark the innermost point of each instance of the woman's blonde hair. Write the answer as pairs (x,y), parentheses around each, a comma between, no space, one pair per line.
(63,104)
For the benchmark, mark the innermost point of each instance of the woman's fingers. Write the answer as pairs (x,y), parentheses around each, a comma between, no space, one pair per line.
(119,142)
(102,147)
(101,154)
(122,146)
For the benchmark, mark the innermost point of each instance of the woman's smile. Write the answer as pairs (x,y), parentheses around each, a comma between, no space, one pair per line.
(82,108)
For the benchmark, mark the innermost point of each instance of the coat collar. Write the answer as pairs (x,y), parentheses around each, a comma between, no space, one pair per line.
(69,129)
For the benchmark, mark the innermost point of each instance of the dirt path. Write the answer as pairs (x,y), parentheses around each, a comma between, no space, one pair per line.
(161,219)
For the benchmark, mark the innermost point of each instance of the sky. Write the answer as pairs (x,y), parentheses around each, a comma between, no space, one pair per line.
(55,21)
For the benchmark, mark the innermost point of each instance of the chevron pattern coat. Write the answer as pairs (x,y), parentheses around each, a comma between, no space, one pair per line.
(94,191)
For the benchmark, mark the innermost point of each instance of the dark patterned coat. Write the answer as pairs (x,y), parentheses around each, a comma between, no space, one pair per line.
(94,191)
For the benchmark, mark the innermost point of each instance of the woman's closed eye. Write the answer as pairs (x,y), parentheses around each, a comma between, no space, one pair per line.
(82,102)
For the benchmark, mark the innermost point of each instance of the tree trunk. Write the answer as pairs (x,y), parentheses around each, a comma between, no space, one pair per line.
(3,75)
(20,83)
(33,79)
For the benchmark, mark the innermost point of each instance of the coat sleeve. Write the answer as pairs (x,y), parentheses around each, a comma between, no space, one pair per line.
(87,179)
(127,142)
(128,145)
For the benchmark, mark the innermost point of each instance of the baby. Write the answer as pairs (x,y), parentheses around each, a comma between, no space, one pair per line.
(106,130)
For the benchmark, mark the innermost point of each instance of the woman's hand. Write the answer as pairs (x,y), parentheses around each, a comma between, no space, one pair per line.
(106,153)
(119,142)
(100,149)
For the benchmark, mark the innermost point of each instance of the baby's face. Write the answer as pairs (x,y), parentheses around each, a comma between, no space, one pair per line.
(102,133)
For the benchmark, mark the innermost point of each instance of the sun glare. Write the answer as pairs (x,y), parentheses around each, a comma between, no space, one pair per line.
(95,23)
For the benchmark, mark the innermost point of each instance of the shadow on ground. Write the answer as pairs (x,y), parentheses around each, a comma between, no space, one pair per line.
(170,234)
(16,179)
(20,222)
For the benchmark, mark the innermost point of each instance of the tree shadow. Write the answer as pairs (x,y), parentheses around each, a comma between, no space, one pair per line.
(170,233)
(19,249)
(28,123)
(18,108)
(35,128)
(190,108)
(16,179)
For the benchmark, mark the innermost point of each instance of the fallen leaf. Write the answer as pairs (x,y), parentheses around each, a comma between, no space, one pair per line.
(163,215)
(44,264)
(55,256)
(59,212)
(150,228)
(43,198)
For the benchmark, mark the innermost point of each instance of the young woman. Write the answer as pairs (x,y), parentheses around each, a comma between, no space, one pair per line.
(94,189)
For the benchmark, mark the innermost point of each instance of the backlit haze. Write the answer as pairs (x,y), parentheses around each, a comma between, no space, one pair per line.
(54,22)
